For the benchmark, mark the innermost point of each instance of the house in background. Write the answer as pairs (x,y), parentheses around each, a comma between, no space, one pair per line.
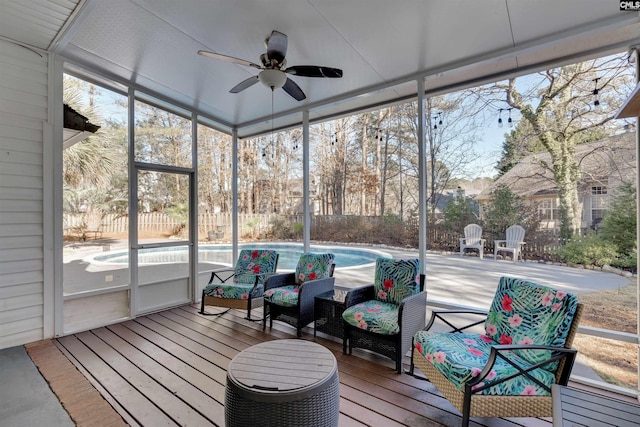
(604,165)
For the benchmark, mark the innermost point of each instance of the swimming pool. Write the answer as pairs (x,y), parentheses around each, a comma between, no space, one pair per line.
(221,254)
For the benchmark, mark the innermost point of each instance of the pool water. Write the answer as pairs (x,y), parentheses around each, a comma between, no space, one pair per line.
(289,254)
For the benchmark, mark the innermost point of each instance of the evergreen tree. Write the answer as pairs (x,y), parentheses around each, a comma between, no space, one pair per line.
(619,222)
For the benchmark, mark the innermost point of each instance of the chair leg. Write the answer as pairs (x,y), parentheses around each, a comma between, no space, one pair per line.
(345,338)
(412,367)
(264,316)
(249,306)
(202,303)
(204,313)
(466,406)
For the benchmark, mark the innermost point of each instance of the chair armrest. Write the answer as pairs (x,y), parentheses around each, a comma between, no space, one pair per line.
(497,242)
(442,314)
(558,353)
(360,294)
(309,289)
(412,315)
(413,309)
(258,281)
(279,280)
(216,273)
(462,240)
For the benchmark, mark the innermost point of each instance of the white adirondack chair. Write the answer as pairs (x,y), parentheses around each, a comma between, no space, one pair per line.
(513,243)
(472,239)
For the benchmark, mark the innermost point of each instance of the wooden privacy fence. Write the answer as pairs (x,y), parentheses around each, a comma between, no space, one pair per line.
(93,225)
(336,228)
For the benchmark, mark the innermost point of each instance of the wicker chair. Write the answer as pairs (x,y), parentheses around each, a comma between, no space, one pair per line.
(383,317)
(508,371)
(289,297)
(241,286)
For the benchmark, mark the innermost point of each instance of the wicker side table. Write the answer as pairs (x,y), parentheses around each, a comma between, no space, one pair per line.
(287,383)
(328,309)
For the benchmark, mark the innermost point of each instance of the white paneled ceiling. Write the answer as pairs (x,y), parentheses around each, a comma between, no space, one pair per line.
(34,22)
(382,46)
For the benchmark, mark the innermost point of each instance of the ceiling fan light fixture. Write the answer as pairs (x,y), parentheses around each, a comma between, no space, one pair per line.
(274,79)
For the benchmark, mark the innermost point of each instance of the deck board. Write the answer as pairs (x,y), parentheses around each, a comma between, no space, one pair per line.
(169,368)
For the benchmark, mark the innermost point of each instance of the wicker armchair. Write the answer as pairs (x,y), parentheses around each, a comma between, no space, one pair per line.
(383,317)
(289,297)
(508,371)
(241,286)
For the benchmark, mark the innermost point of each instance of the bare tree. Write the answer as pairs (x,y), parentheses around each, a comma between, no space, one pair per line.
(562,112)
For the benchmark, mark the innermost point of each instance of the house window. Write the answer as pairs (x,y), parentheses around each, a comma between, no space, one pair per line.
(599,201)
(545,209)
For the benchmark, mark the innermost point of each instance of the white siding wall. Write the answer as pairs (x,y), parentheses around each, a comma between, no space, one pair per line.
(23,112)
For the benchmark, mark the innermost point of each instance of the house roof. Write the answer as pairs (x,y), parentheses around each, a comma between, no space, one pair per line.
(76,127)
(383,47)
(605,160)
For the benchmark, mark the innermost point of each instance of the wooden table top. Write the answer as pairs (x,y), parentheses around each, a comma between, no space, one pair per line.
(282,366)
(576,408)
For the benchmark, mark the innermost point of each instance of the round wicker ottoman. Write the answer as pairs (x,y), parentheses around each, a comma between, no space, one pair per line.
(283,383)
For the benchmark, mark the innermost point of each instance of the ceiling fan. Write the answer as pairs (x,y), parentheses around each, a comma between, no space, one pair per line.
(273,70)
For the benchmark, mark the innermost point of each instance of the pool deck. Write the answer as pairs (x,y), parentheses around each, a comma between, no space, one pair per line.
(450,278)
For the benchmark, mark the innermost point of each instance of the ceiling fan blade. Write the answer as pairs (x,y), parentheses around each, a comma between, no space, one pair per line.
(294,90)
(244,84)
(314,71)
(229,59)
(277,46)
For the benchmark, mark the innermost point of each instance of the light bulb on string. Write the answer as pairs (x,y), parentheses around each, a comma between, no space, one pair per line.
(438,117)
(596,92)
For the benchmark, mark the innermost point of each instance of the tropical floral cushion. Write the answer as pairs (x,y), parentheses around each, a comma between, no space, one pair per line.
(252,262)
(232,290)
(460,357)
(313,266)
(286,296)
(396,279)
(374,316)
(524,312)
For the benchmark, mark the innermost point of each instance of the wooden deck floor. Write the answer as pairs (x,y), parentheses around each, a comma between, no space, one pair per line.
(169,368)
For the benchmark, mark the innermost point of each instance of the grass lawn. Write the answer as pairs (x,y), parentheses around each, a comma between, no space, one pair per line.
(616,362)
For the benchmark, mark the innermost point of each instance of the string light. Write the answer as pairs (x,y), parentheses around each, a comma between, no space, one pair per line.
(509,120)
(438,116)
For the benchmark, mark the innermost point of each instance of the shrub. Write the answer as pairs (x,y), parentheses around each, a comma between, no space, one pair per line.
(627,262)
(506,209)
(588,250)
(618,225)
(459,212)
(281,228)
